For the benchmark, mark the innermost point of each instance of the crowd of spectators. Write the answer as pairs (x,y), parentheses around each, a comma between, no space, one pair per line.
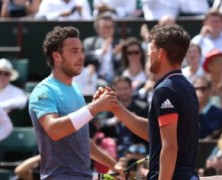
(122,63)
(69,10)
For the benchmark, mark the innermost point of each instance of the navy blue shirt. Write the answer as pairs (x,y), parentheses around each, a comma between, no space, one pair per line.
(174,94)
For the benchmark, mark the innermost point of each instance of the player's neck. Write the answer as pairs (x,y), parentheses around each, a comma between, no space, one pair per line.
(62,77)
(166,69)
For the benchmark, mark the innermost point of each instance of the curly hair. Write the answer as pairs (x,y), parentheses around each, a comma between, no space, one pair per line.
(54,41)
(173,39)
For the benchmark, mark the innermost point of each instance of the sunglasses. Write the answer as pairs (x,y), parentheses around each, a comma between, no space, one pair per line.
(133,52)
(202,88)
(3,73)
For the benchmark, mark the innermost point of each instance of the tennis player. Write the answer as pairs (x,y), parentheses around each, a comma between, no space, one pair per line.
(172,129)
(60,116)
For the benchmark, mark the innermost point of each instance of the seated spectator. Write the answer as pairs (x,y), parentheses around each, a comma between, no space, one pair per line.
(19,8)
(193,8)
(103,49)
(134,62)
(11,97)
(210,35)
(193,69)
(64,10)
(210,115)
(115,8)
(213,67)
(154,10)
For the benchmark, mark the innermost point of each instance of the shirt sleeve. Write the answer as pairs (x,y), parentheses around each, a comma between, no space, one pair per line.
(166,105)
(43,102)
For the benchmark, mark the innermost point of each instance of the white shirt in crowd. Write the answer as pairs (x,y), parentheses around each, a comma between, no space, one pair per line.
(207,43)
(87,81)
(155,9)
(123,8)
(194,6)
(217,5)
(51,10)
(12,97)
(6,126)
(191,77)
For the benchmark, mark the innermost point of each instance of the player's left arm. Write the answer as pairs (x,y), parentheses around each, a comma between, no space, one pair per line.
(101,156)
(169,149)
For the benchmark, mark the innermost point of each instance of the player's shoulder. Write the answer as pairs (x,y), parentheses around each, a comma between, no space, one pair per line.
(44,87)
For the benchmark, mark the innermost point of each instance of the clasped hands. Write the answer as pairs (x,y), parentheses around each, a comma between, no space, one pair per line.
(107,97)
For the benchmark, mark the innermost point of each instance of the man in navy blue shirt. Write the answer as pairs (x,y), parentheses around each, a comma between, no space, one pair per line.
(173,115)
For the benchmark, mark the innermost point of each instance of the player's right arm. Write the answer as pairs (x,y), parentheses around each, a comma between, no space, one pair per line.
(57,127)
(138,125)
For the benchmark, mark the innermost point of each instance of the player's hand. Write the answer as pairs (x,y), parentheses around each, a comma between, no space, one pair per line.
(120,170)
(105,100)
(100,91)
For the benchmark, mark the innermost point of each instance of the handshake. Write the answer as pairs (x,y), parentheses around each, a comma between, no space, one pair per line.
(105,99)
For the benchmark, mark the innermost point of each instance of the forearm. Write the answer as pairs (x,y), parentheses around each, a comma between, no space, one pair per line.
(136,124)
(101,156)
(168,158)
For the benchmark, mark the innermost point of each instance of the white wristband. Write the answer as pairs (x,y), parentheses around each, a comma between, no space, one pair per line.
(80,117)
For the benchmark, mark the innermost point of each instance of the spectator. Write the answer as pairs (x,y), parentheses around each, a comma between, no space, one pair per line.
(64,10)
(134,62)
(11,97)
(193,69)
(154,10)
(103,50)
(115,8)
(210,115)
(210,35)
(193,8)
(19,8)
(213,67)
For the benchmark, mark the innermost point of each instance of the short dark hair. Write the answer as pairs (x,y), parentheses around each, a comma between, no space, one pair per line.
(103,17)
(128,42)
(54,41)
(173,39)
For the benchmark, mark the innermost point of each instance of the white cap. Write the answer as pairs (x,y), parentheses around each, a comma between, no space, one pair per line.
(6,66)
